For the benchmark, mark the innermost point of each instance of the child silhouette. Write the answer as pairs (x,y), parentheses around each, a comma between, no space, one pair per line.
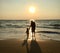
(27,32)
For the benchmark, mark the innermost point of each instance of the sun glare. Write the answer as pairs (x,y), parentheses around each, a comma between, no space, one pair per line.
(32,9)
(30,34)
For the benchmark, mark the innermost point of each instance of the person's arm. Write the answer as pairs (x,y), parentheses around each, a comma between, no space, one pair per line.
(29,26)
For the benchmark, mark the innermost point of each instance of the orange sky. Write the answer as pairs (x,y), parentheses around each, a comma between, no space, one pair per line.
(19,9)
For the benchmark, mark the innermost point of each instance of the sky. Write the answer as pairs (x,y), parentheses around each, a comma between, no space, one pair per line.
(19,9)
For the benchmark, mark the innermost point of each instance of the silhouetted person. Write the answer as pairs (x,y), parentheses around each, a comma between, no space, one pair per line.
(25,42)
(27,32)
(33,27)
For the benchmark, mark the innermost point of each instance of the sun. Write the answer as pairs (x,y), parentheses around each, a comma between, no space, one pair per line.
(32,9)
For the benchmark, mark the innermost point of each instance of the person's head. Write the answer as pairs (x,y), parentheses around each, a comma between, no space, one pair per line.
(27,28)
(32,20)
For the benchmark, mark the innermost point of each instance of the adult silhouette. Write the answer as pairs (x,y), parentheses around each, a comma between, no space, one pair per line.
(33,27)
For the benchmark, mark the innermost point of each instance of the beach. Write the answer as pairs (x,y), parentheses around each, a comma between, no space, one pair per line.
(13,37)
(29,26)
(30,46)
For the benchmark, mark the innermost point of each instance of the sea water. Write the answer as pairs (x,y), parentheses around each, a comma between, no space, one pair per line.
(45,29)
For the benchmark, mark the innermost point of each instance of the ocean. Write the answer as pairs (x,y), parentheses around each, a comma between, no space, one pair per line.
(45,29)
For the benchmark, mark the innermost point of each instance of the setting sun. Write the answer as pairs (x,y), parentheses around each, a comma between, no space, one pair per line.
(32,9)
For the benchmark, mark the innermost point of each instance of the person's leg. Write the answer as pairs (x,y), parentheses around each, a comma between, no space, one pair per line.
(34,34)
(27,36)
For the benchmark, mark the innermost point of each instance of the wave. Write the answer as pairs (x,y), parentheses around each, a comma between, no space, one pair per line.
(12,26)
(27,25)
(50,32)
(50,26)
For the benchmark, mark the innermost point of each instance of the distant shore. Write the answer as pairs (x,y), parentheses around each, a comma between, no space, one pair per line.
(22,46)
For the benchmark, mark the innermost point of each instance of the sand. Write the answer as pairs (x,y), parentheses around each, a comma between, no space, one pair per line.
(30,46)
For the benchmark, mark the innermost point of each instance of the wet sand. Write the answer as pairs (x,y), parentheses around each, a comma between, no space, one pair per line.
(30,46)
